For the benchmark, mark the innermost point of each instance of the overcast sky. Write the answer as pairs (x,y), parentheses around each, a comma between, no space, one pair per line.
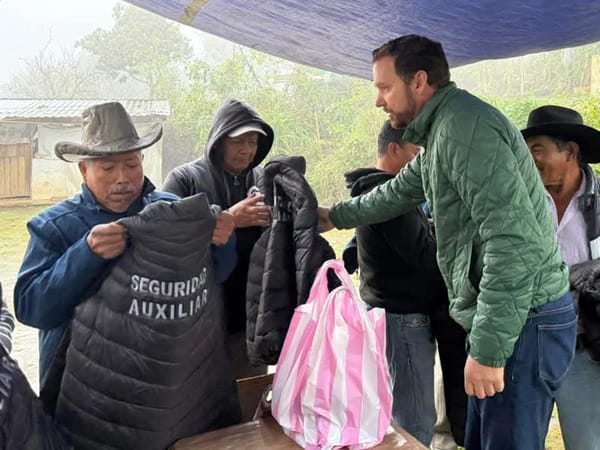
(26,26)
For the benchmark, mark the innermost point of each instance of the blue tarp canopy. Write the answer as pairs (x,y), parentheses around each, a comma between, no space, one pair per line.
(339,35)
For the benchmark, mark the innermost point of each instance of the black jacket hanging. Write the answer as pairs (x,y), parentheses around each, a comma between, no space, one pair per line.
(285,260)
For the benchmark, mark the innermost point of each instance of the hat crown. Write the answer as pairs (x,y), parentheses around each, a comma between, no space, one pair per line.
(553,115)
(106,123)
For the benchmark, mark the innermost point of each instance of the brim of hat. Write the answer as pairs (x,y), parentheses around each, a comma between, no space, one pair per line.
(73,151)
(587,138)
(246,129)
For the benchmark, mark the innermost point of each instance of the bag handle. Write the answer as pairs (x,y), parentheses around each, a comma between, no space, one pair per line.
(320,288)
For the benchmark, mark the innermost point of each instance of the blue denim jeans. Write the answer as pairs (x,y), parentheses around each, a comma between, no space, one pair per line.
(411,357)
(518,417)
(578,401)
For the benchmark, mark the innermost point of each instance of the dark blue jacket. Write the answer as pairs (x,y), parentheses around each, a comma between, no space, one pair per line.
(59,270)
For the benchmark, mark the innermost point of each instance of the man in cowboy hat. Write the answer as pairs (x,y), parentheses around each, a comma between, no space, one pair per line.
(73,242)
(562,148)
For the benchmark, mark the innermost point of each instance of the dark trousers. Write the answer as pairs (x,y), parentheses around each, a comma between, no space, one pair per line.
(236,347)
(518,417)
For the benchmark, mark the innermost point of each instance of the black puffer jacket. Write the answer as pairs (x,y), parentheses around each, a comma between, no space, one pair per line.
(397,258)
(285,259)
(147,364)
(585,281)
(206,175)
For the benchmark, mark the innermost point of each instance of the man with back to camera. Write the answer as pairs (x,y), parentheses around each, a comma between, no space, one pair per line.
(398,272)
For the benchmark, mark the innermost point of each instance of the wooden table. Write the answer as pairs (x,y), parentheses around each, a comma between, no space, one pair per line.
(266,434)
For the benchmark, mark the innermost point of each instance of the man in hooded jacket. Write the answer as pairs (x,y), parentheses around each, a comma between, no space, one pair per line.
(238,141)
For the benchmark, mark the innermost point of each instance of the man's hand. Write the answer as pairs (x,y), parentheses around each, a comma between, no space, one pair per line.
(325,223)
(251,212)
(107,240)
(223,229)
(483,381)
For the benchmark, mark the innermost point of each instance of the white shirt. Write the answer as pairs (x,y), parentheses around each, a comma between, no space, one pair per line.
(571,231)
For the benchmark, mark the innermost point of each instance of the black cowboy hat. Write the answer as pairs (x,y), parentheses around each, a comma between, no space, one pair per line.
(567,124)
(107,130)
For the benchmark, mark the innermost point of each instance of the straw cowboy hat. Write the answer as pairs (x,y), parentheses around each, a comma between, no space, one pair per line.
(567,124)
(107,130)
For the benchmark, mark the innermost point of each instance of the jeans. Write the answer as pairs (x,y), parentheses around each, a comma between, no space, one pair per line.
(518,417)
(578,401)
(411,355)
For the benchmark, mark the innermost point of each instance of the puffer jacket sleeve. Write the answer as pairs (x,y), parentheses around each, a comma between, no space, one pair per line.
(483,162)
(391,199)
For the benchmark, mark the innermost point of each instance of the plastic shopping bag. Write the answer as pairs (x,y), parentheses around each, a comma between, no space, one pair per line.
(332,387)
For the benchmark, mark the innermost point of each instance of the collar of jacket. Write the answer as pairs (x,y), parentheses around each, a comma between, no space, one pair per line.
(591,183)
(90,201)
(418,130)
(588,204)
(363,180)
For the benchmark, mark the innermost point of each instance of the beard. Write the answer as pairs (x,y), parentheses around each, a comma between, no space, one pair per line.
(404,118)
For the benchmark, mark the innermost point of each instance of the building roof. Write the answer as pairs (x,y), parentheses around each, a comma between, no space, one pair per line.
(69,110)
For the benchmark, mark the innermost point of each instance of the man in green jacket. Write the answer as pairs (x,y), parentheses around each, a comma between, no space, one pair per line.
(497,251)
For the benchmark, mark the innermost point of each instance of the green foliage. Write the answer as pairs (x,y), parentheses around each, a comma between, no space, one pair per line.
(557,73)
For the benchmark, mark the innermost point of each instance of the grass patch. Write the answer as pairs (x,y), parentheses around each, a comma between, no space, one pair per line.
(14,236)
(338,240)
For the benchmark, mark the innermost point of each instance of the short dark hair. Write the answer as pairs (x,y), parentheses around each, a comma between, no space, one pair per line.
(389,134)
(413,53)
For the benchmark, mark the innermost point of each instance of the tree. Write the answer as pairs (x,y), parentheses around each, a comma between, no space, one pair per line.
(49,74)
(141,46)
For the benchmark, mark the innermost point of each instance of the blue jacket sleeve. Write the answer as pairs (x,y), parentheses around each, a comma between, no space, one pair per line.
(52,282)
(224,258)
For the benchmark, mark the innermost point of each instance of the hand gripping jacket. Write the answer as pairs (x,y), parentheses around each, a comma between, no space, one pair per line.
(147,365)
(285,259)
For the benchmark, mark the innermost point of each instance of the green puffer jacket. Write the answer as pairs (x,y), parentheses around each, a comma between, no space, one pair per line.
(497,248)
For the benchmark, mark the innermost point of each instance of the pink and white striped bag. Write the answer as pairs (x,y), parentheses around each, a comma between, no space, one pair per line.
(332,387)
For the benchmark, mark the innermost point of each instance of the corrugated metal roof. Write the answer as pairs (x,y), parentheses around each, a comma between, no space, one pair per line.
(69,110)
